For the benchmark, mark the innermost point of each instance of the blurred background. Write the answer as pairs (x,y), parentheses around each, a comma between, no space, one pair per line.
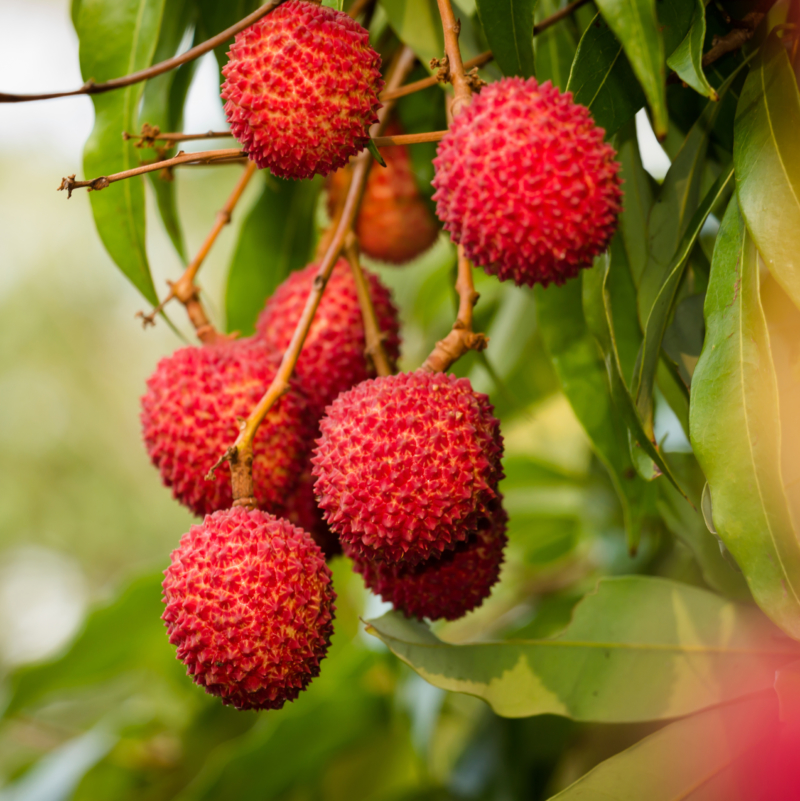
(95,704)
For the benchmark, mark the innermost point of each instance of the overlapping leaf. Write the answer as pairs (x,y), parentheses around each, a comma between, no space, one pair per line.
(118,37)
(508,25)
(637,649)
(687,59)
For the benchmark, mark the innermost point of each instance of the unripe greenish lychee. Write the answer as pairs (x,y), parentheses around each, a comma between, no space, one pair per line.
(250,606)
(189,419)
(525,182)
(333,357)
(394,223)
(447,586)
(407,465)
(302,88)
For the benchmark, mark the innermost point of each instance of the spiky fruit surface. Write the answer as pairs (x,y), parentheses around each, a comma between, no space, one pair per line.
(189,419)
(394,224)
(302,510)
(406,465)
(526,184)
(302,88)
(249,604)
(448,586)
(332,359)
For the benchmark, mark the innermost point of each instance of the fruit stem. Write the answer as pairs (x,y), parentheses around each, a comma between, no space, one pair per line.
(461,85)
(92,88)
(240,454)
(185,289)
(461,338)
(96,184)
(372,332)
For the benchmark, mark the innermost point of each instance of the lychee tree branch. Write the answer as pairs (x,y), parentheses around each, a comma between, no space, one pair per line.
(92,88)
(240,454)
(372,333)
(184,289)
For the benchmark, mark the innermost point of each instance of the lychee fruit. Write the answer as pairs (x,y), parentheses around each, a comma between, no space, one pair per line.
(526,184)
(302,88)
(302,510)
(249,604)
(189,419)
(450,585)
(332,359)
(394,224)
(407,465)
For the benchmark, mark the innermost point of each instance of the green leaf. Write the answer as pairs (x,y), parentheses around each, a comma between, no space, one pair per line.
(162,106)
(508,25)
(767,161)
(118,37)
(635,25)
(736,431)
(640,189)
(639,648)
(687,59)
(650,353)
(376,154)
(554,48)
(214,17)
(276,237)
(698,758)
(417,24)
(601,78)
(585,382)
(101,652)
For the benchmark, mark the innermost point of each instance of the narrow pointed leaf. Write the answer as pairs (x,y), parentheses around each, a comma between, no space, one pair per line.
(639,648)
(276,237)
(736,429)
(118,37)
(508,25)
(687,59)
(695,759)
(767,160)
(635,25)
(554,48)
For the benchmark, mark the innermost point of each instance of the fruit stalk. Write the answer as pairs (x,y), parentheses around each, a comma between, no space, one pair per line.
(372,333)
(451,28)
(185,289)
(240,454)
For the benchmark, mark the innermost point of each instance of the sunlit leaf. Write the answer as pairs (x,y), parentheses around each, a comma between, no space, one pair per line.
(639,648)
(276,237)
(698,758)
(118,37)
(767,161)
(508,25)
(736,431)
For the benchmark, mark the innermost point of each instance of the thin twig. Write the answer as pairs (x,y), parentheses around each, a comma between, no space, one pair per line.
(372,332)
(184,289)
(461,338)
(151,134)
(92,88)
(482,59)
(240,454)
(96,184)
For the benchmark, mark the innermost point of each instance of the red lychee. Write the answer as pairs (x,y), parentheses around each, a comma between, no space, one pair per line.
(249,604)
(394,224)
(526,184)
(448,586)
(302,510)
(406,465)
(332,359)
(189,418)
(302,88)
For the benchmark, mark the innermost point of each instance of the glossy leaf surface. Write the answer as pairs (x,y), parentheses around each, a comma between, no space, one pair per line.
(687,59)
(508,25)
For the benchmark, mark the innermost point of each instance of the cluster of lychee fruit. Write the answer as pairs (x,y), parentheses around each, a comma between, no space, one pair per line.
(401,472)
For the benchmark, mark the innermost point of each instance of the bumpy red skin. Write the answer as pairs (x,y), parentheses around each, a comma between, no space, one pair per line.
(394,224)
(189,419)
(249,604)
(302,510)
(407,465)
(450,586)
(302,88)
(332,359)
(526,184)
